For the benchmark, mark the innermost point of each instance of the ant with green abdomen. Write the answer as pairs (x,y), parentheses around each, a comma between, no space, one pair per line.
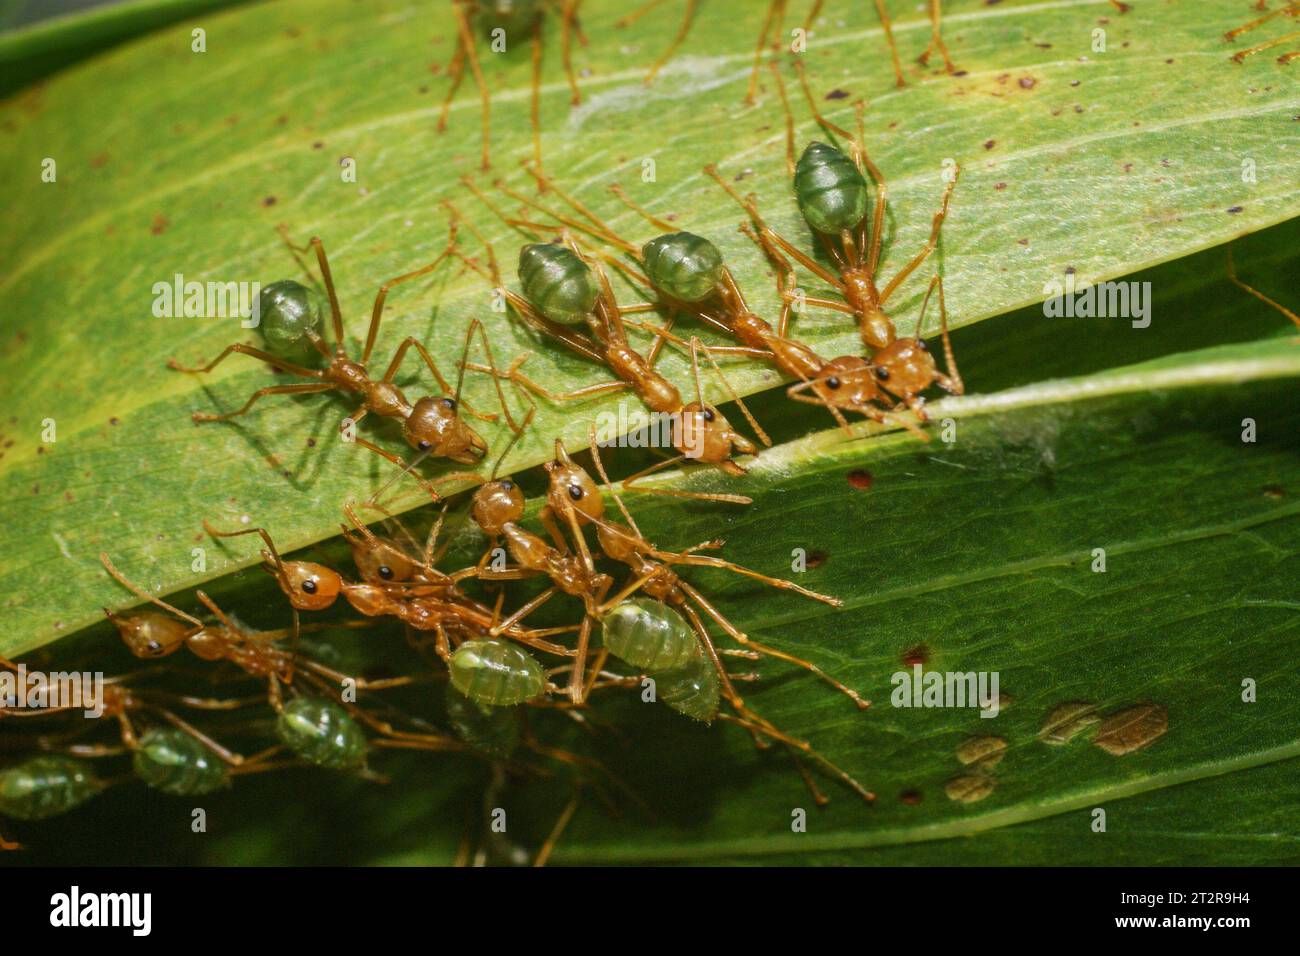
(561,290)
(833,196)
(688,273)
(432,425)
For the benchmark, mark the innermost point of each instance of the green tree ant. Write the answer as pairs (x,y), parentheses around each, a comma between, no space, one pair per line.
(832,193)
(562,289)
(688,273)
(432,425)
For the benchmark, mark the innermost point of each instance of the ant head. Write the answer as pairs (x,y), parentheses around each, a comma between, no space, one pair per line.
(436,428)
(847,382)
(904,368)
(497,504)
(309,587)
(571,487)
(149,634)
(705,435)
(379,561)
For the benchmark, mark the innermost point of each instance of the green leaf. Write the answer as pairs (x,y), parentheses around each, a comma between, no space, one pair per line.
(977,555)
(202,158)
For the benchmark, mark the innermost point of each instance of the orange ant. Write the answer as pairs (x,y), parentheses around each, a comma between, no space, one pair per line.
(314,587)
(432,425)
(688,273)
(578,292)
(832,193)
(1289,9)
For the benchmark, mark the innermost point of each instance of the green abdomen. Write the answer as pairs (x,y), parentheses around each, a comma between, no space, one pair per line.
(832,194)
(322,732)
(44,787)
(683,265)
(558,284)
(496,673)
(649,634)
(170,760)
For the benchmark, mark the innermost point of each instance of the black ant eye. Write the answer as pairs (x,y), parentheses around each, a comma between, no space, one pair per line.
(920,344)
(882,373)
(833,382)
(309,586)
(708,415)
(423,445)
(449,403)
(575,492)
(385,572)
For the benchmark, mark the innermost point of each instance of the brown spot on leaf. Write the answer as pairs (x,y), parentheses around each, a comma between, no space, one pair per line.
(983,752)
(1132,728)
(1066,721)
(920,654)
(911,797)
(969,788)
(816,559)
(159,224)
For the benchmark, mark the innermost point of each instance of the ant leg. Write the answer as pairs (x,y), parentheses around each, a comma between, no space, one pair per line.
(665,225)
(796,393)
(952,382)
(772,27)
(242,349)
(688,17)
(407,468)
(471,55)
(889,38)
(751,207)
(456,70)
(523,611)
(141,593)
(628,482)
(519,378)
(569,26)
(707,561)
(936,39)
(544,853)
(227,756)
(476,325)
(1232,276)
(807,750)
(935,225)
(726,386)
(262,393)
(377,312)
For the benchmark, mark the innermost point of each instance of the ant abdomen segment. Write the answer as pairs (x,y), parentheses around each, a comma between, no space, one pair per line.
(831,191)
(172,761)
(322,733)
(557,283)
(496,673)
(684,266)
(289,314)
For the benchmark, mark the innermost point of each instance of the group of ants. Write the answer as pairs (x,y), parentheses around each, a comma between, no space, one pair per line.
(654,621)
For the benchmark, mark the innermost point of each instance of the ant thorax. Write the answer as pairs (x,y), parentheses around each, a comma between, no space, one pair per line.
(863,297)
